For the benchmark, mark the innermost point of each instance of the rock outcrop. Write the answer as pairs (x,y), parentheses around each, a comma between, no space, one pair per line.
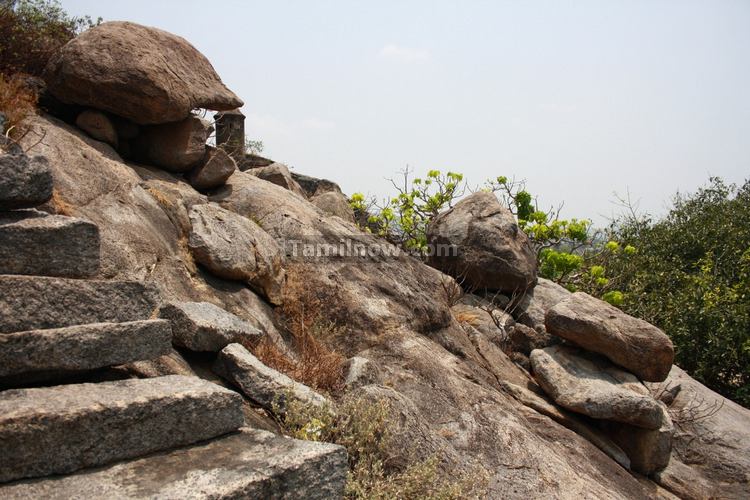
(99,126)
(120,67)
(599,327)
(24,182)
(177,146)
(214,172)
(480,244)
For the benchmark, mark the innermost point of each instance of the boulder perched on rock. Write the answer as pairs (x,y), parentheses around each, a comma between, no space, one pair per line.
(144,74)
(34,242)
(649,450)
(599,327)
(214,172)
(24,182)
(98,125)
(524,339)
(491,251)
(534,304)
(278,174)
(314,186)
(333,203)
(177,146)
(236,248)
(592,386)
(201,326)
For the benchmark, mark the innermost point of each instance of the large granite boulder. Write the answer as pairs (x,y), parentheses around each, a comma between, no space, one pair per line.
(99,126)
(201,326)
(334,203)
(599,327)
(649,450)
(491,251)
(592,386)
(279,174)
(176,146)
(24,182)
(214,172)
(534,304)
(144,74)
(234,247)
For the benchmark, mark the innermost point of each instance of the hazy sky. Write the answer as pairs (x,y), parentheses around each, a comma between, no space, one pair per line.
(580,98)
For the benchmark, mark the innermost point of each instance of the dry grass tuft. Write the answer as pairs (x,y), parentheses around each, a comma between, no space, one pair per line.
(59,205)
(467,317)
(187,256)
(17,102)
(160,197)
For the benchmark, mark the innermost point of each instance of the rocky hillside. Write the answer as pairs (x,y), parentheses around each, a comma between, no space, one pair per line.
(163,304)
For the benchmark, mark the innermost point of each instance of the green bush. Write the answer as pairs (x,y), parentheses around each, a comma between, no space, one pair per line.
(32,31)
(690,276)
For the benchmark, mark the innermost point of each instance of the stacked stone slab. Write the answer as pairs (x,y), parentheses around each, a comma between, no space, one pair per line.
(599,373)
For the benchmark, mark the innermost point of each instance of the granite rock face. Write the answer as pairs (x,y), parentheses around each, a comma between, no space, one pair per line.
(99,126)
(649,450)
(201,326)
(57,430)
(120,67)
(592,386)
(234,247)
(24,182)
(33,302)
(264,385)
(248,464)
(334,203)
(535,303)
(33,242)
(599,327)
(214,171)
(278,174)
(176,146)
(83,347)
(491,251)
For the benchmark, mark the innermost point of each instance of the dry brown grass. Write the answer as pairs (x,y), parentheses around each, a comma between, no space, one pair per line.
(17,102)
(187,256)
(161,197)
(467,317)
(59,205)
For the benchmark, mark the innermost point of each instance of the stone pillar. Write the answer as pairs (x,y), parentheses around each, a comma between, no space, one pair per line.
(230,133)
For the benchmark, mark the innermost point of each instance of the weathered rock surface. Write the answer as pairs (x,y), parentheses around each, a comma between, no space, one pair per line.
(61,429)
(234,247)
(214,172)
(267,387)
(599,327)
(334,203)
(83,347)
(201,326)
(711,443)
(491,251)
(120,67)
(592,386)
(361,371)
(648,449)
(249,464)
(98,125)
(33,242)
(314,186)
(524,339)
(278,174)
(24,182)
(33,302)
(535,303)
(176,146)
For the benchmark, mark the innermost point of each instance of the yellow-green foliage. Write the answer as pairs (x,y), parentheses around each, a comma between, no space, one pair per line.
(363,428)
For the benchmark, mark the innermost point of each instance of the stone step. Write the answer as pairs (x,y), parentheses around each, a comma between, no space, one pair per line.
(35,302)
(81,347)
(248,464)
(57,430)
(36,243)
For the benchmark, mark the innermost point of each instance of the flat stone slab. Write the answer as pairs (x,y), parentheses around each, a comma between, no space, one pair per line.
(57,430)
(83,347)
(264,385)
(202,326)
(248,464)
(34,302)
(24,182)
(596,326)
(592,386)
(34,242)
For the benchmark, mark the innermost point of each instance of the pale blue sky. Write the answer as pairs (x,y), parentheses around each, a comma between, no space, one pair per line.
(581,98)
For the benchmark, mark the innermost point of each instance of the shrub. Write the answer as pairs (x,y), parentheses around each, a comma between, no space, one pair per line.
(32,31)
(363,427)
(17,102)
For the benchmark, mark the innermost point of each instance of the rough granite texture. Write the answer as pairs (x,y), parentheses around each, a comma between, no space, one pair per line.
(591,385)
(36,243)
(83,347)
(649,450)
(202,326)
(57,430)
(597,326)
(262,384)
(214,172)
(24,182)
(34,302)
(248,464)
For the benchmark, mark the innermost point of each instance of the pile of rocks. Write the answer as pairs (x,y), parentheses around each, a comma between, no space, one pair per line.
(125,95)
